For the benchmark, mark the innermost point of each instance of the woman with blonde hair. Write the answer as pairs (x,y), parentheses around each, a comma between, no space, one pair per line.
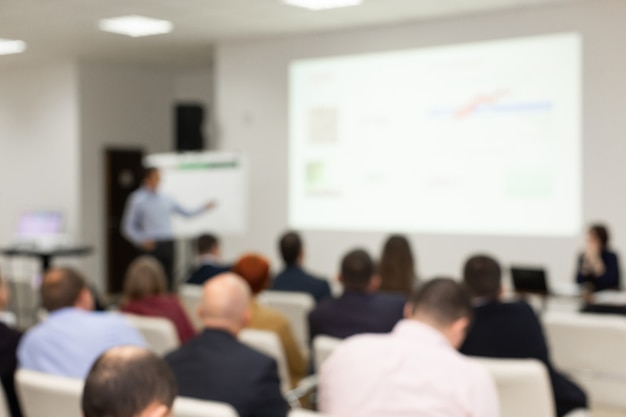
(145,294)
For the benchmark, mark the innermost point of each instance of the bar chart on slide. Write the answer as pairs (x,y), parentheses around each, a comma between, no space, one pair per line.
(473,138)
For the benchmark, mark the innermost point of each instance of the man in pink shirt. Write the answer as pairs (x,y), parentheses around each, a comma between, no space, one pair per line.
(415,370)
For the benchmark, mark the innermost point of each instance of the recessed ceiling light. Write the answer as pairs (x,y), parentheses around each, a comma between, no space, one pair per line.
(10,46)
(322,4)
(136,26)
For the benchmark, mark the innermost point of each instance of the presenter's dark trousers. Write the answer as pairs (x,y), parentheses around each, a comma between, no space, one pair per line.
(164,253)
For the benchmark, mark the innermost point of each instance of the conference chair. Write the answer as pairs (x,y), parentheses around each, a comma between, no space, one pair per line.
(523,387)
(591,349)
(323,347)
(296,307)
(268,343)
(4,406)
(191,296)
(158,332)
(191,407)
(44,395)
(299,412)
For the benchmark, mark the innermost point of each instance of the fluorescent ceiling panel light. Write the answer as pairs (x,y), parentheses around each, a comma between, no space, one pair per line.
(136,26)
(10,46)
(322,4)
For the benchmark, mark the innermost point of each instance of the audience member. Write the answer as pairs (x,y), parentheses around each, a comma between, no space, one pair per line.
(216,366)
(145,294)
(129,382)
(255,269)
(598,266)
(69,341)
(360,309)
(397,266)
(414,371)
(9,339)
(294,277)
(510,330)
(209,263)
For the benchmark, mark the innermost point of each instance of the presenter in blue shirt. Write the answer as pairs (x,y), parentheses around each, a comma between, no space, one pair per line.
(147,222)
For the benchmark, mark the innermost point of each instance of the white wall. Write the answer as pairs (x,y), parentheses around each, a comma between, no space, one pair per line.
(251,82)
(39,144)
(120,106)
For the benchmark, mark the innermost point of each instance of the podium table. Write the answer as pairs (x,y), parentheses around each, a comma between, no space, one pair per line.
(46,255)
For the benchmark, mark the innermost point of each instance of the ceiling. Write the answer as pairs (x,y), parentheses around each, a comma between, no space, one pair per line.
(67,29)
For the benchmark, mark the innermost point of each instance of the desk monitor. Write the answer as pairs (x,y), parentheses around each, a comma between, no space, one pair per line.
(529,280)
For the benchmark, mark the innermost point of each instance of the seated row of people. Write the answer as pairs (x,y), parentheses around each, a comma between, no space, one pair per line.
(73,336)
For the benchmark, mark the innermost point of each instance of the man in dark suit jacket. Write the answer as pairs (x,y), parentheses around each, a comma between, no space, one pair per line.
(216,366)
(360,309)
(208,247)
(511,330)
(9,339)
(293,277)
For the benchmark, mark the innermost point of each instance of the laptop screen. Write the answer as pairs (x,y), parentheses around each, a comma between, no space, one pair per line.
(40,223)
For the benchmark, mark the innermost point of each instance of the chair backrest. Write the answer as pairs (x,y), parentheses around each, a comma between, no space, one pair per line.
(190,296)
(43,395)
(296,307)
(299,412)
(158,332)
(523,387)
(323,346)
(4,406)
(589,347)
(268,343)
(191,407)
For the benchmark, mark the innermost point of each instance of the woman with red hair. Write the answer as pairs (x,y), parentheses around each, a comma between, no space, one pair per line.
(255,269)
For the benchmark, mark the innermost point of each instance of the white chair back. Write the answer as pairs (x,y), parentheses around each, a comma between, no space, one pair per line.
(296,307)
(299,412)
(268,343)
(523,387)
(323,347)
(191,407)
(190,296)
(589,347)
(43,395)
(159,333)
(4,406)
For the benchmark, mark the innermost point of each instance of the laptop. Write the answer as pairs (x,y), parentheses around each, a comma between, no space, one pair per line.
(40,229)
(530,280)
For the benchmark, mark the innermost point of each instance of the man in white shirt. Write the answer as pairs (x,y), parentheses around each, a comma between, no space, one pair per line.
(415,370)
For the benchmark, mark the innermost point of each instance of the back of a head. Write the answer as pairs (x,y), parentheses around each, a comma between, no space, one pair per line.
(483,277)
(145,277)
(206,243)
(357,270)
(601,232)
(225,301)
(397,266)
(125,381)
(290,245)
(442,301)
(61,288)
(255,269)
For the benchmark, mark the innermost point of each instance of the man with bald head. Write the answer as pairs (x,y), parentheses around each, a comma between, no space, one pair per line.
(129,381)
(69,341)
(216,366)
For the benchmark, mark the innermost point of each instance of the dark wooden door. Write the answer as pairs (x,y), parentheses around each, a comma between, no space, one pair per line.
(123,176)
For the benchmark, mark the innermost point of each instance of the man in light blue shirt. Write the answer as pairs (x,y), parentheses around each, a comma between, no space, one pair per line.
(147,223)
(69,341)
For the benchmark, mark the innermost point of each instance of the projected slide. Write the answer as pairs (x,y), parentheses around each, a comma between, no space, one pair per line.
(479,138)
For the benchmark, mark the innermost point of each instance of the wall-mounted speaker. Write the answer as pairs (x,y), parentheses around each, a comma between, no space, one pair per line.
(189,123)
